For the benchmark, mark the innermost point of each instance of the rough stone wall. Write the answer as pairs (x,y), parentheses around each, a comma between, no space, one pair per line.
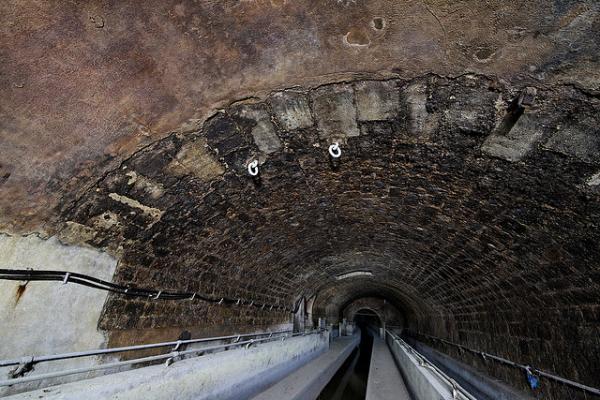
(533,346)
(466,237)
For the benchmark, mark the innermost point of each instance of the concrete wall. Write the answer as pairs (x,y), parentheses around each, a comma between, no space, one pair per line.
(425,385)
(481,386)
(421,382)
(48,317)
(234,374)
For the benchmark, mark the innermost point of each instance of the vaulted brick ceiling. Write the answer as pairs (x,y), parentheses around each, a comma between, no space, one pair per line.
(467,185)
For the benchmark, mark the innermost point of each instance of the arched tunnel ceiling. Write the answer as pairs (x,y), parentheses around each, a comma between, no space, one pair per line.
(128,126)
(387,313)
(333,299)
(85,85)
(417,199)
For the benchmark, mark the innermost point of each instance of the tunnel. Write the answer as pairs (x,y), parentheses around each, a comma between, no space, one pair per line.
(419,174)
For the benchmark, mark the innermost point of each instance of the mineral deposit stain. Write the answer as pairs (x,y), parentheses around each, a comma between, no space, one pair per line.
(357,37)
(378,23)
(19,292)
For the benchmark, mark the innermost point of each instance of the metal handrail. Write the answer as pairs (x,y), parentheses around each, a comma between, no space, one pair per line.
(97,352)
(526,368)
(456,388)
(170,357)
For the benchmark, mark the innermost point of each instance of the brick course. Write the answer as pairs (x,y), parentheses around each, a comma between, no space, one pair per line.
(497,253)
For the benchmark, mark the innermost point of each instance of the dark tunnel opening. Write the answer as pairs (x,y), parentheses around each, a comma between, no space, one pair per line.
(350,381)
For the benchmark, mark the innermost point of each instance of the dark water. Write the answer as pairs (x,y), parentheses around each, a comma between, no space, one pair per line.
(350,381)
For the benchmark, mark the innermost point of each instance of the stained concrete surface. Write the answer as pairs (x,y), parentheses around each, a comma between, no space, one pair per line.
(39,318)
(422,383)
(308,381)
(228,375)
(385,381)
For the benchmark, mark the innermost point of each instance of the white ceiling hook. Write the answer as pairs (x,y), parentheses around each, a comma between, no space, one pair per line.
(253,168)
(335,151)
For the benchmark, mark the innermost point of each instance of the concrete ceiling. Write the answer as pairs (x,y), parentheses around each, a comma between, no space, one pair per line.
(85,84)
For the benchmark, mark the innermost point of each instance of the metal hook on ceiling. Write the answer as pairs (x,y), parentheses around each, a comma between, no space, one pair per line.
(335,150)
(253,168)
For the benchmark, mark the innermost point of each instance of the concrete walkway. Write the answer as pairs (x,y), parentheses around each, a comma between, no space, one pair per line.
(385,381)
(307,382)
(228,375)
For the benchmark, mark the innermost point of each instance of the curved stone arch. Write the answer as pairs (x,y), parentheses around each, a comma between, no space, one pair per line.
(429,223)
(243,131)
(487,197)
(373,310)
(380,321)
(387,312)
(334,298)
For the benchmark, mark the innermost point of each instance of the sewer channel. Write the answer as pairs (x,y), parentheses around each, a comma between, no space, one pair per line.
(350,381)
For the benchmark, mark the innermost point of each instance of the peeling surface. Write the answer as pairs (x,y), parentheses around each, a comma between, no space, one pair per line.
(152,212)
(196,160)
(87,84)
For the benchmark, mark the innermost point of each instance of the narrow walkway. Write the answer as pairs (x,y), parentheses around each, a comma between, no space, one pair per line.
(385,381)
(308,381)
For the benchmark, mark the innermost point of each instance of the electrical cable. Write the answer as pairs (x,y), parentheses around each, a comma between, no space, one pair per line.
(65,277)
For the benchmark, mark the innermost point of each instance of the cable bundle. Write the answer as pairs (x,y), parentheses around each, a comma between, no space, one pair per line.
(95,283)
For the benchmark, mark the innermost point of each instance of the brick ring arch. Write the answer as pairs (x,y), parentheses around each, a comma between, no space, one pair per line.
(352,318)
(386,312)
(470,204)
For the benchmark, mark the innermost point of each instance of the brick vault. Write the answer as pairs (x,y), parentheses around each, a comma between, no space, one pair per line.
(466,195)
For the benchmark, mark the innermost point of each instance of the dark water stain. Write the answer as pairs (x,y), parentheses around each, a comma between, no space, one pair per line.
(20,291)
